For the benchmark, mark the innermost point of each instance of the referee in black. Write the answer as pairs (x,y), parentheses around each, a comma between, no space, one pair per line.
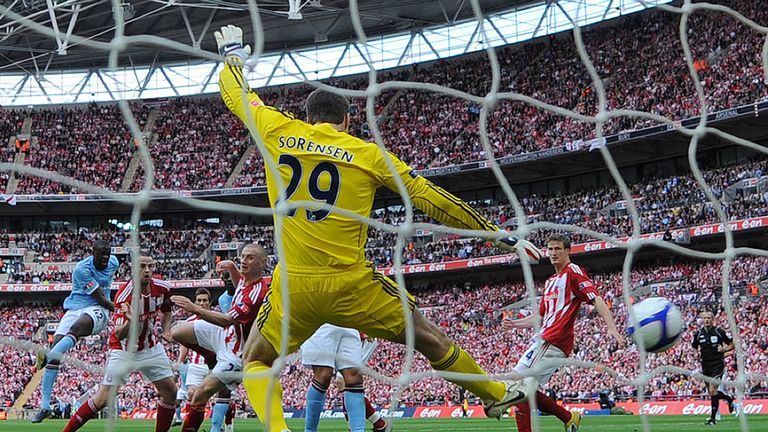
(712,343)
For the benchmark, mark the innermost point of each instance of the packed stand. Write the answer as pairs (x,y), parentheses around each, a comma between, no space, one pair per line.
(22,323)
(11,122)
(197,145)
(471,316)
(92,144)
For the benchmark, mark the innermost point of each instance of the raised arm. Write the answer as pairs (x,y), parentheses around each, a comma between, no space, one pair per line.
(233,85)
(213,317)
(444,206)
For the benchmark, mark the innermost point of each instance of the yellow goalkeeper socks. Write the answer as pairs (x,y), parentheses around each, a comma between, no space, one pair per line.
(257,394)
(458,360)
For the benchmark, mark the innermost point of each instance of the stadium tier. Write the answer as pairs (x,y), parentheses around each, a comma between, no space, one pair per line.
(471,315)
(191,151)
(470,287)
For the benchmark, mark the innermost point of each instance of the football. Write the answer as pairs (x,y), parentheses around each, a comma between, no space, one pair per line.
(660,324)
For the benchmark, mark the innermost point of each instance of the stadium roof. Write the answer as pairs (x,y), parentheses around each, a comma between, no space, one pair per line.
(304,39)
(322,21)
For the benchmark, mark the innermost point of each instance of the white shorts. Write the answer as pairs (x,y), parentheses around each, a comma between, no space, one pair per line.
(534,357)
(334,347)
(228,364)
(369,346)
(98,314)
(153,364)
(195,375)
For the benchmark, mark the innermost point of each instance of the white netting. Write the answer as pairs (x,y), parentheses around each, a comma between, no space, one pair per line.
(488,103)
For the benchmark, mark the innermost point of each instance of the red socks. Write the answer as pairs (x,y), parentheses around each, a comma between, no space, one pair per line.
(86,412)
(195,417)
(549,406)
(545,404)
(230,413)
(371,414)
(165,413)
(523,417)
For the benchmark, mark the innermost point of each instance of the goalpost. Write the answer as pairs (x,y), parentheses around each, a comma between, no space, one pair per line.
(487,103)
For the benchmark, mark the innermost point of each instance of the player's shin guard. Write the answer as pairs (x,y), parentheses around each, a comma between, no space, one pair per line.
(458,360)
(86,412)
(257,389)
(315,403)
(165,412)
(523,417)
(353,400)
(194,418)
(220,409)
(549,406)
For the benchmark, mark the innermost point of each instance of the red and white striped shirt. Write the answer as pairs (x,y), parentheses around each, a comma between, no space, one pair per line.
(157,300)
(245,306)
(192,355)
(563,295)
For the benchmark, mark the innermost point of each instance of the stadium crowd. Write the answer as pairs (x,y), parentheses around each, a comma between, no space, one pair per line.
(91,144)
(471,315)
(663,204)
(198,143)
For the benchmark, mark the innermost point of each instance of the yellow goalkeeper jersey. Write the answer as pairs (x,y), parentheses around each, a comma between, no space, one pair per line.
(321,165)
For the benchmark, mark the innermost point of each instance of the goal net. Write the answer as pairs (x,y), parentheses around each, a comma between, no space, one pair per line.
(598,109)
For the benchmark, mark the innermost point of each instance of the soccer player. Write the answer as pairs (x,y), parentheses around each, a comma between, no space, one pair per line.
(197,369)
(87,313)
(219,337)
(564,292)
(712,343)
(149,358)
(329,350)
(323,262)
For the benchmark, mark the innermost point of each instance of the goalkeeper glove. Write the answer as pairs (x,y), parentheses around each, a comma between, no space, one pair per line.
(519,246)
(230,43)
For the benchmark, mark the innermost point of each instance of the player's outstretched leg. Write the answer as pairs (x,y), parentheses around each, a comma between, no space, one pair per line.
(89,409)
(184,334)
(444,355)
(258,357)
(82,326)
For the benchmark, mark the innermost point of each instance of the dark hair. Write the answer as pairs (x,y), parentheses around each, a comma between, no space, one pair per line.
(101,244)
(562,238)
(325,107)
(205,291)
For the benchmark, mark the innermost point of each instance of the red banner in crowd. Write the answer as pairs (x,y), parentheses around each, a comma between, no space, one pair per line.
(579,248)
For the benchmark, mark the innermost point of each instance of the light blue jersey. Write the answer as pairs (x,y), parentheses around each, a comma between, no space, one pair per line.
(225,302)
(85,280)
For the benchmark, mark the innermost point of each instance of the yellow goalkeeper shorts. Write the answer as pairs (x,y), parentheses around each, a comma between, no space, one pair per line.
(359,298)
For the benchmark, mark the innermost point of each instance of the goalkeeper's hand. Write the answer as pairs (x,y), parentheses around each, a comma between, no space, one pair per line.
(519,246)
(230,43)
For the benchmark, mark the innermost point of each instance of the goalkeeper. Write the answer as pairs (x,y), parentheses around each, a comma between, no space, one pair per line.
(323,259)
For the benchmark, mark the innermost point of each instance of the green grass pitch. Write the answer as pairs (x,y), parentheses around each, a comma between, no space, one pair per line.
(590,424)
